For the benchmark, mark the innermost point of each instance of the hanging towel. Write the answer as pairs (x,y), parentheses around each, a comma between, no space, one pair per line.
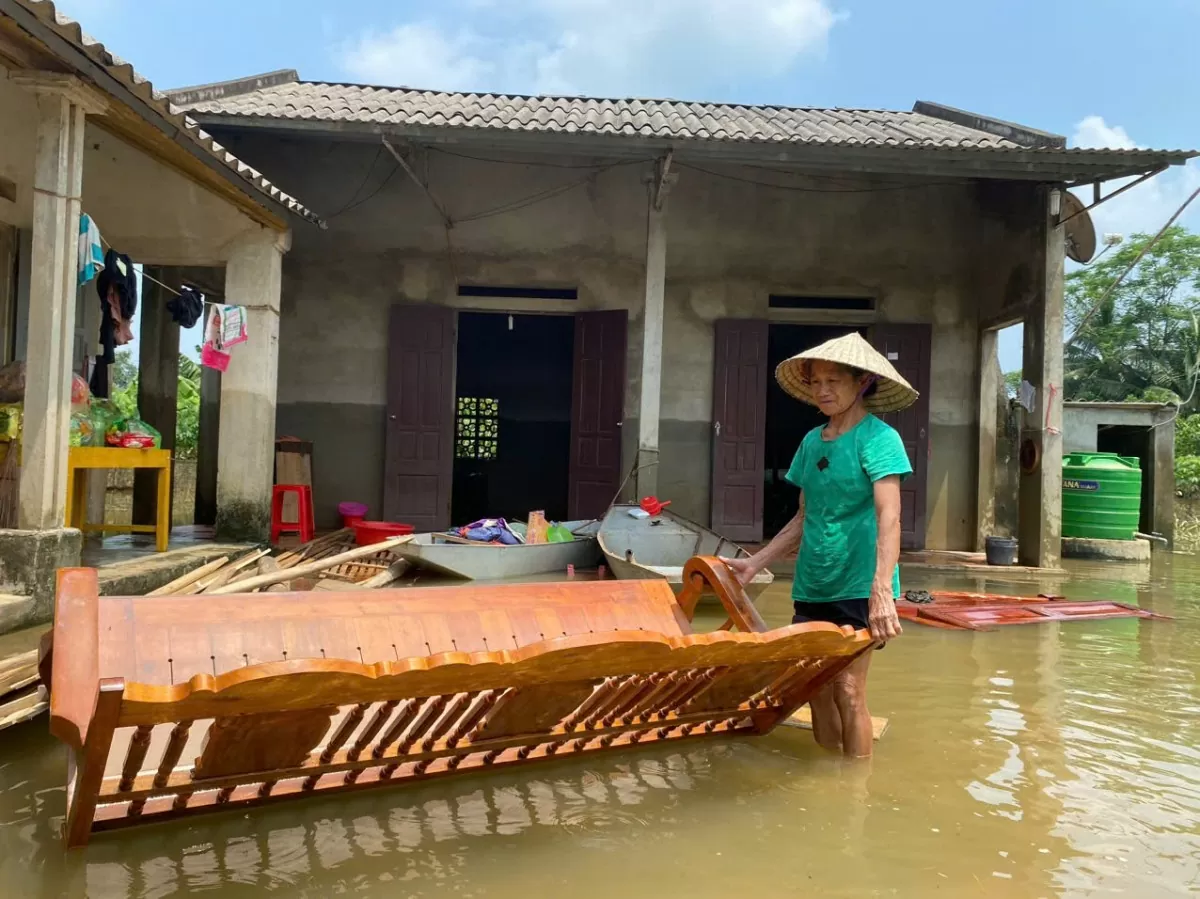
(91,256)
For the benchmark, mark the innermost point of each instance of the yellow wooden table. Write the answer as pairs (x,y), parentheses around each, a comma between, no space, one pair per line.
(83,458)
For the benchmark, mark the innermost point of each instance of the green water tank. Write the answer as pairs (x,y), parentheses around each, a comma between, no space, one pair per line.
(1101,496)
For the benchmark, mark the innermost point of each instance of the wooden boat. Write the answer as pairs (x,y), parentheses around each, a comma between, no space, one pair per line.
(176,705)
(657,548)
(474,561)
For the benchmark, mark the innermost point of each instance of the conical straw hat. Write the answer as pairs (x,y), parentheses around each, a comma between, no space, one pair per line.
(892,392)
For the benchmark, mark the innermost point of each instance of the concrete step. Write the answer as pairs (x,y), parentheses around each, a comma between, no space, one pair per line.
(14,611)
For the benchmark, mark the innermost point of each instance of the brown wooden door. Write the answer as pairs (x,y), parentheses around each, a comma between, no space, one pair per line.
(419,461)
(597,408)
(739,428)
(907,348)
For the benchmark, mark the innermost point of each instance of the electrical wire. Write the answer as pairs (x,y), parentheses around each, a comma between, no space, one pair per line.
(539,163)
(1117,283)
(367,177)
(811,190)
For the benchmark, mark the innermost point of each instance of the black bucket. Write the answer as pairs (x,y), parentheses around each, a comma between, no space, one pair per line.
(1001,550)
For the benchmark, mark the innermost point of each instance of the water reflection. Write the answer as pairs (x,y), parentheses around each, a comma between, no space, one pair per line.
(1030,761)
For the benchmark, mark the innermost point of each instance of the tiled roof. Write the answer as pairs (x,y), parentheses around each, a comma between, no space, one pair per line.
(315,101)
(254,181)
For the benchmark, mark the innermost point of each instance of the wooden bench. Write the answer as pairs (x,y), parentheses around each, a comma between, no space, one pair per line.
(178,705)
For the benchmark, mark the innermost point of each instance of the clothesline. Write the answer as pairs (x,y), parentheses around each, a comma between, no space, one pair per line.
(109,246)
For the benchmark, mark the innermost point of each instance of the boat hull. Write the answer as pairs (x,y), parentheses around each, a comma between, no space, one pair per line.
(637,549)
(485,562)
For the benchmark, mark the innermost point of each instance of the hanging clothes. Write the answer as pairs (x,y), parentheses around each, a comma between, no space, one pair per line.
(117,287)
(186,308)
(91,256)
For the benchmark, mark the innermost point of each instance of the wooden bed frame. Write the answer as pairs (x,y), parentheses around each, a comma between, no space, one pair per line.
(177,705)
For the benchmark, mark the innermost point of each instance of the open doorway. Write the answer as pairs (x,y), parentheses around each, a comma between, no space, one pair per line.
(787,421)
(1133,442)
(512,416)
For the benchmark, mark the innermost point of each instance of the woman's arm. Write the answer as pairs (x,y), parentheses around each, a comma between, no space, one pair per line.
(885,623)
(786,542)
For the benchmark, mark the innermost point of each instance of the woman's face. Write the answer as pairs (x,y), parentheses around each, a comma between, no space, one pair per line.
(834,387)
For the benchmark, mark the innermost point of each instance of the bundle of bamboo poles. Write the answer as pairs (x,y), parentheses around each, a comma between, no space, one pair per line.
(333,560)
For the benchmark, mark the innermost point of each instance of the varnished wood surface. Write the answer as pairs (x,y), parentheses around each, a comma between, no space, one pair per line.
(203,702)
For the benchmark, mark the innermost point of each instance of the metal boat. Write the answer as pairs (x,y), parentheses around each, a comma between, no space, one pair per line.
(640,548)
(490,562)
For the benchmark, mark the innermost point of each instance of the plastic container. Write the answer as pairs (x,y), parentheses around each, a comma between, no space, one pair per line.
(1000,550)
(368,532)
(352,513)
(1101,496)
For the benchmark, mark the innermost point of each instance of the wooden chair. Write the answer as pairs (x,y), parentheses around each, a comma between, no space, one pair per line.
(178,705)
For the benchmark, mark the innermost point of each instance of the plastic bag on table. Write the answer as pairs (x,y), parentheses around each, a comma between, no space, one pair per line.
(10,421)
(81,395)
(81,430)
(132,433)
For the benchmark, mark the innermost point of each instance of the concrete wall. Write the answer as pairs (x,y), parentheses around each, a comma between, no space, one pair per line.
(916,250)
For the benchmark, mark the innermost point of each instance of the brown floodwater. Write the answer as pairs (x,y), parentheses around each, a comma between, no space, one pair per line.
(1043,760)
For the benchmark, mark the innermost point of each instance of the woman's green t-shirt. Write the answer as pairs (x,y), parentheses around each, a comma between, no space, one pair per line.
(837,477)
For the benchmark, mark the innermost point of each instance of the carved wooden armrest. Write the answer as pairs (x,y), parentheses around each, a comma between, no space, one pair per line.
(711,572)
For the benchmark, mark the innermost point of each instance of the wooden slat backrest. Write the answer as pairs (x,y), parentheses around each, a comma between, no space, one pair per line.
(168,639)
(292,725)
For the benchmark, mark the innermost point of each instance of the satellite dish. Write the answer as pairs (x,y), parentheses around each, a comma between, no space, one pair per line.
(1081,233)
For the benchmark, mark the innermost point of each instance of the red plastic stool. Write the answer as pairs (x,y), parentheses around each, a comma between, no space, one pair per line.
(304,527)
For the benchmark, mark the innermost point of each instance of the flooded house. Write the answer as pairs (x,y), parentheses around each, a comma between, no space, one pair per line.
(521,300)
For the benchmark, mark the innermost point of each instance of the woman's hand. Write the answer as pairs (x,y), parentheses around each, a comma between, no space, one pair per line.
(743,569)
(884,620)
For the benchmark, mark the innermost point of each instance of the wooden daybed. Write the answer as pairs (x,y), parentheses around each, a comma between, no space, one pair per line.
(178,705)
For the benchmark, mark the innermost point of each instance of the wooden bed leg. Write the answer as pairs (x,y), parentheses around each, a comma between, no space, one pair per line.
(88,768)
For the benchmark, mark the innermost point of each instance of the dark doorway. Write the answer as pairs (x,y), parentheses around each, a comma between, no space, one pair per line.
(788,420)
(1135,443)
(512,416)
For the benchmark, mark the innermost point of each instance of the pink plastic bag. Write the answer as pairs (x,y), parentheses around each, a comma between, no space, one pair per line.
(211,357)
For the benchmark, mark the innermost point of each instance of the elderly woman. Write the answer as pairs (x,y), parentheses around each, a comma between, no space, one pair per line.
(847,528)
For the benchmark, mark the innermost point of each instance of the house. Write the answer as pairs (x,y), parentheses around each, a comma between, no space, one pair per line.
(520,301)
(84,133)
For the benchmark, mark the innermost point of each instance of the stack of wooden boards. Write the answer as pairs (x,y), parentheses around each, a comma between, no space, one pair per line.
(22,695)
(331,562)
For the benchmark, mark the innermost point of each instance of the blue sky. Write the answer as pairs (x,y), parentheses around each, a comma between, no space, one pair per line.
(1102,72)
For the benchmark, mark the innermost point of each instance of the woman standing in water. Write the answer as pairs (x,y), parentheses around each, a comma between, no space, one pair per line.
(847,529)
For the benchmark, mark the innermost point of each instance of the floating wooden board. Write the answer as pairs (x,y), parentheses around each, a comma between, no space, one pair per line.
(980,616)
(803,720)
(20,707)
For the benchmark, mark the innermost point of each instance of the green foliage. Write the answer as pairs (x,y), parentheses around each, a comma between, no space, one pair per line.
(187,407)
(1012,383)
(1143,342)
(1187,476)
(1187,436)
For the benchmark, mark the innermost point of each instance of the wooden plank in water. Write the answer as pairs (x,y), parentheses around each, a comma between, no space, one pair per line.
(803,720)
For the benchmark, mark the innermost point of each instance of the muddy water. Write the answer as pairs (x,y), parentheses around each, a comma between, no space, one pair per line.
(1048,760)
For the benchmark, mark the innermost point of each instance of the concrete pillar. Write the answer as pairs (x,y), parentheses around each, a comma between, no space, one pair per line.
(652,331)
(1162,476)
(1040,521)
(246,452)
(63,102)
(989,385)
(158,384)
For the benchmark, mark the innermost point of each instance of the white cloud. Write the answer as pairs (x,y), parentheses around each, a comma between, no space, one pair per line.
(1145,208)
(598,47)
(418,54)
